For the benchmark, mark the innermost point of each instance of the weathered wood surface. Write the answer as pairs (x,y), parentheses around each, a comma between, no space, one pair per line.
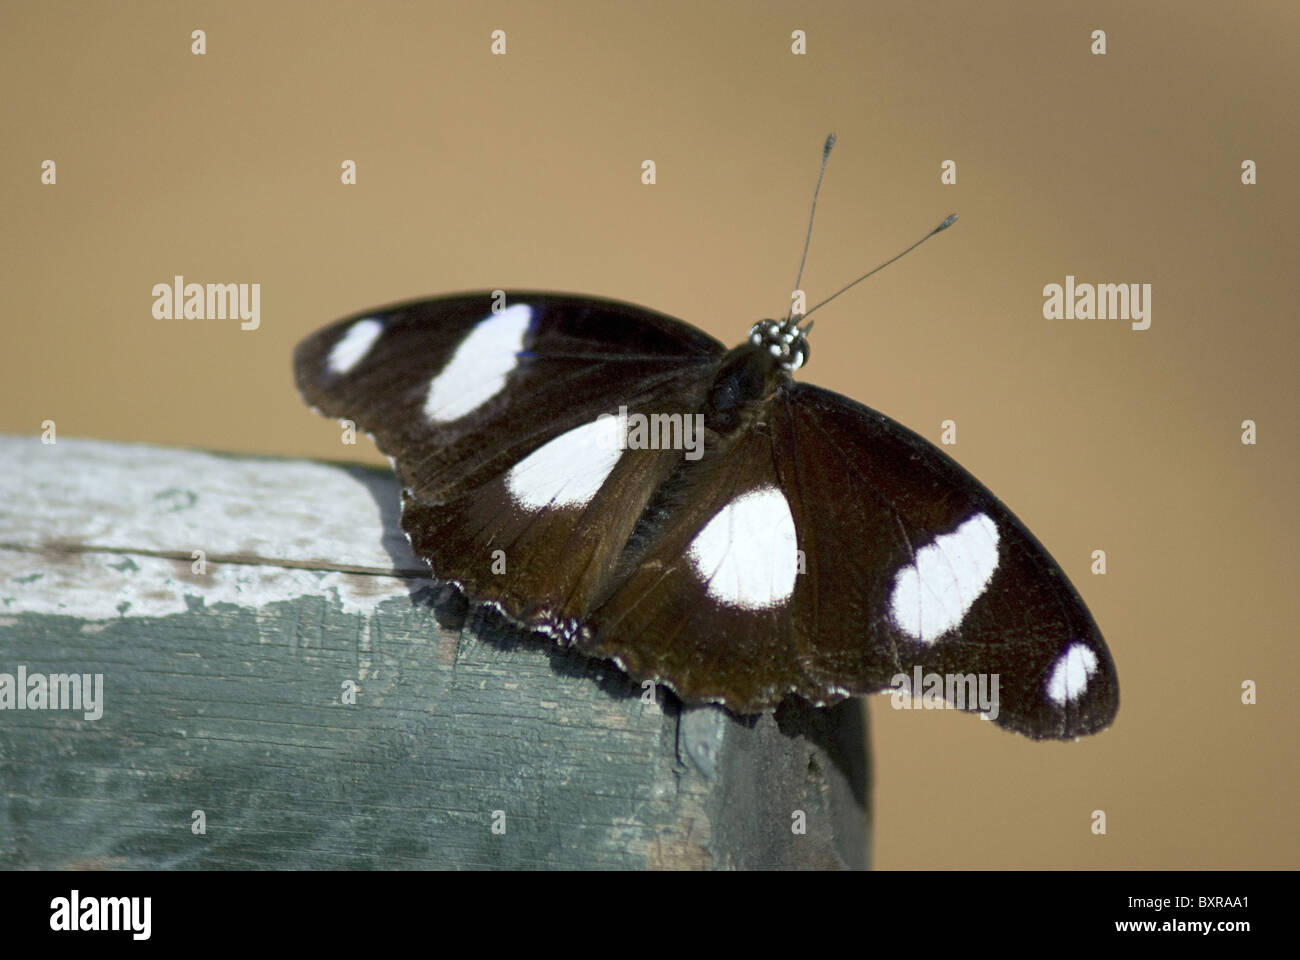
(224,692)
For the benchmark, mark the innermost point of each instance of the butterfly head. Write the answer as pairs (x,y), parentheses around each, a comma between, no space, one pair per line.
(783,339)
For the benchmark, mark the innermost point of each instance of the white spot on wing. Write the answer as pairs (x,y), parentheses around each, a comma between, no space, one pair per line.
(933,594)
(569,470)
(747,551)
(353,346)
(1071,673)
(478,369)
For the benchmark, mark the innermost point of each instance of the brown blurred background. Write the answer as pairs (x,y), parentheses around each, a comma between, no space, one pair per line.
(481,171)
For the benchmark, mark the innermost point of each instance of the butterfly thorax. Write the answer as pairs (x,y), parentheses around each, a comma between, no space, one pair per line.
(745,377)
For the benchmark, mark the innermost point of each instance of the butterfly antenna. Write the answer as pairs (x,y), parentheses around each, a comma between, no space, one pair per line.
(947,222)
(826,155)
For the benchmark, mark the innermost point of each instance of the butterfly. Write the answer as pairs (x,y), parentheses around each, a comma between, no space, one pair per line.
(625,484)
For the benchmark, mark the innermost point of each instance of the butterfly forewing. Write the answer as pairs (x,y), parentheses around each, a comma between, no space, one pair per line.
(459,388)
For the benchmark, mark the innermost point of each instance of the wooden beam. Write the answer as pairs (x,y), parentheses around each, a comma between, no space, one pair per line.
(283,686)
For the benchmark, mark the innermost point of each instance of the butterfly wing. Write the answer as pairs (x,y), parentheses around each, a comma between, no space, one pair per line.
(492,415)
(703,589)
(453,387)
(902,560)
(952,582)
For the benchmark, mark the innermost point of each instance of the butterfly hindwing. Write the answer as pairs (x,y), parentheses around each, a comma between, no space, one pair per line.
(703,600)
(543,539)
